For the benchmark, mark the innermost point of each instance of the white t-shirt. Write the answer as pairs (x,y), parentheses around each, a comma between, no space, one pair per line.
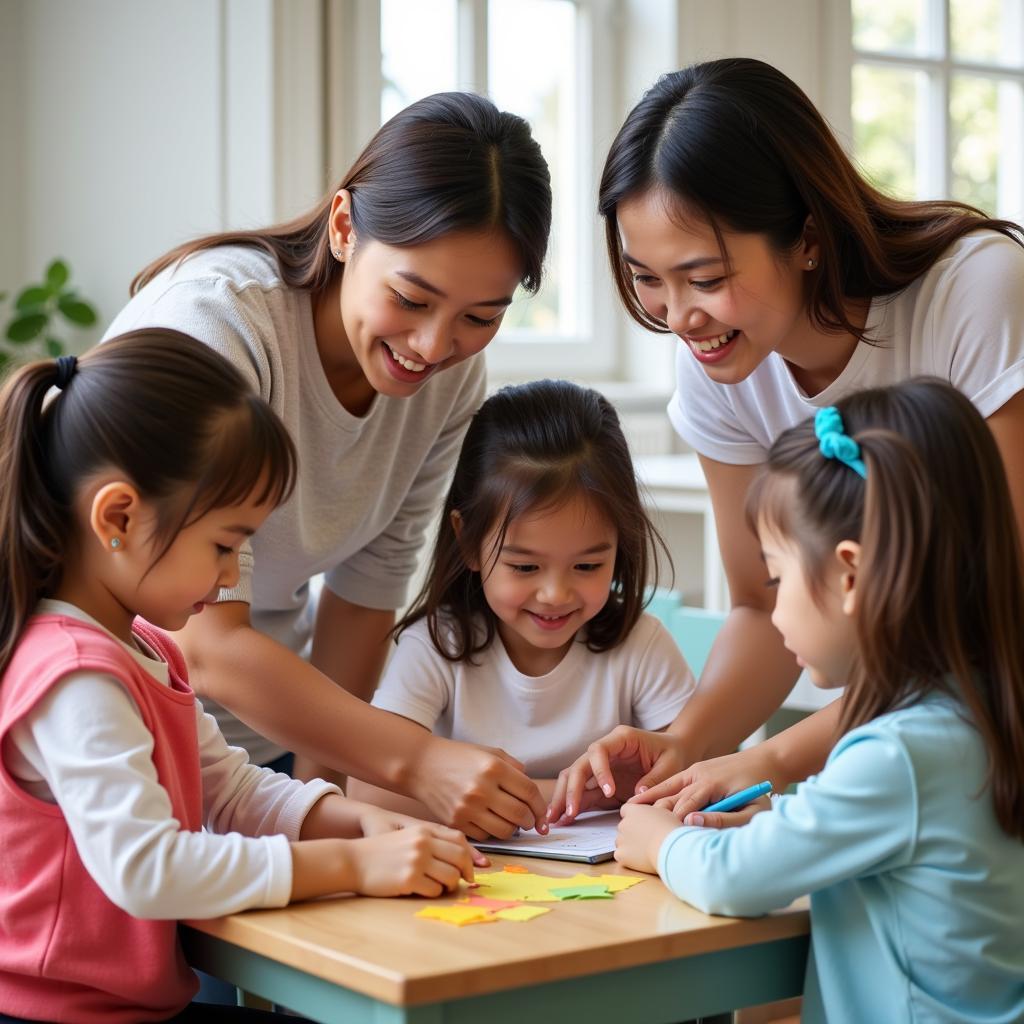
(962,320)
(367,486)
(86,748)
(544,721)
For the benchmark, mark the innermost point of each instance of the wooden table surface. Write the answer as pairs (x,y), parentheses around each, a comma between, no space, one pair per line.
(379,949)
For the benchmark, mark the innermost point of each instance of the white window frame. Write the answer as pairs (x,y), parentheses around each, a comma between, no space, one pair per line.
(352,39)
(933,148)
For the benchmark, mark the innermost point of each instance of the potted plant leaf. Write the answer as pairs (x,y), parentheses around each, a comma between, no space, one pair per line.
(34,322)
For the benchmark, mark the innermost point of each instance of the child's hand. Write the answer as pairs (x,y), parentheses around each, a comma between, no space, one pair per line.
(705,782)
(616,765)
(420,859)
(718,819)
(641,833)
(376,821)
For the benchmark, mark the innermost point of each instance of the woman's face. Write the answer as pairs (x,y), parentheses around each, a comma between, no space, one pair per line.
(411,312)
(730,315)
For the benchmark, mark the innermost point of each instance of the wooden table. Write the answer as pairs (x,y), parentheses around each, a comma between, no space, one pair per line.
(643,957)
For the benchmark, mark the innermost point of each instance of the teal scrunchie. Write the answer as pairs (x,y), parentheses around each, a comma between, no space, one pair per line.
(835,443)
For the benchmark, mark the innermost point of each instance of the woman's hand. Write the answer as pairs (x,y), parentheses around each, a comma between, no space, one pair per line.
(420,858)
(688,792)
(624,762)
(641,832)
(478,790)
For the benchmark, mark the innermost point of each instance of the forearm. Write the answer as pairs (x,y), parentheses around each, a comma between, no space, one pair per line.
(747,676)
(321,867)
(282,697)
(367,793)
(350,643)
(802,749)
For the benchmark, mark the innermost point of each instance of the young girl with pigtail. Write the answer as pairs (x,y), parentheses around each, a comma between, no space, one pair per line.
(122,809)
(888,533)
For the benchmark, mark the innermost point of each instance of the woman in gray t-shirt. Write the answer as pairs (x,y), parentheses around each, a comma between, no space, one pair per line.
(362,323)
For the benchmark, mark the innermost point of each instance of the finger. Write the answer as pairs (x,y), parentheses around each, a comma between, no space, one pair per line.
(451,845)
(443,872)
(671,786)
(557,805)
(533,810)
(658,775)
(486,823)
(720,819)
(480,860)
(602,769)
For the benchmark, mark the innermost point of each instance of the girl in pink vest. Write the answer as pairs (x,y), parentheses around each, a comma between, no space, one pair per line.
(125,500)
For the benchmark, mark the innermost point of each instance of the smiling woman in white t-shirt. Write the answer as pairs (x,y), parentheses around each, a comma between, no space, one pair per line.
(736,222)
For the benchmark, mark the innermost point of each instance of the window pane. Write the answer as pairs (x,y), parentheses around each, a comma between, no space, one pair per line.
(974,140)
(417,45)
(887,108)
(893,26)
(986,31)
(532,71)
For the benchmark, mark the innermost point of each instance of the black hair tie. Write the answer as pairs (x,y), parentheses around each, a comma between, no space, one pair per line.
(66,366)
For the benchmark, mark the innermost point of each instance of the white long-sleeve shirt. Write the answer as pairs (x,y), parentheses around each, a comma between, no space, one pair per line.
(86,748)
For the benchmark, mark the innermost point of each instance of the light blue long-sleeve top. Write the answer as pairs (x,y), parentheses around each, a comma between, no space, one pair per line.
(917,895)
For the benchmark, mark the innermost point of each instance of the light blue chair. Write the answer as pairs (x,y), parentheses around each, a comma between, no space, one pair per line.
(693,629)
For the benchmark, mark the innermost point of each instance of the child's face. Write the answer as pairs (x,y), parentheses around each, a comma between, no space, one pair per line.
(820,632)
(202,559)
(747,310)
(552,575)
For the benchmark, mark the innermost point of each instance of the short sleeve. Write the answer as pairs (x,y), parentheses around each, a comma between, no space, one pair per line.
(418,682)
(704,416)
(977,320)
(663,684)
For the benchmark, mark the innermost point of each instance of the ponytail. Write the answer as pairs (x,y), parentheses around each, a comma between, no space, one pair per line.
(34,525)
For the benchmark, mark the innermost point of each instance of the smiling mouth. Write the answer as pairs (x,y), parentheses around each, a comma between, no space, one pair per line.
(407,364)
(710,344)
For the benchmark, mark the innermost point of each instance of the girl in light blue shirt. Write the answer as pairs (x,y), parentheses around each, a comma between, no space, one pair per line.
(887,530)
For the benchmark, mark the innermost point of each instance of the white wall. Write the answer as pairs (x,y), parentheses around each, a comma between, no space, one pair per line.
(131,125)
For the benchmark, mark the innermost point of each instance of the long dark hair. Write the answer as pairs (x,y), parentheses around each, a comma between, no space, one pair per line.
(531,447)
(738,143)
(171,414)
(449,162)
(939,591)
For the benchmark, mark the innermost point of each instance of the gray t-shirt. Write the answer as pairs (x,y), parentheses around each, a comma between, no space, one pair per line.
(367,486)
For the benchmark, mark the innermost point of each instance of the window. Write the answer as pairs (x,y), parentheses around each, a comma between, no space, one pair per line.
(937,99)
(536,58)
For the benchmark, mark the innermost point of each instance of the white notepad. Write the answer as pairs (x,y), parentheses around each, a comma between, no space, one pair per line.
(591,838)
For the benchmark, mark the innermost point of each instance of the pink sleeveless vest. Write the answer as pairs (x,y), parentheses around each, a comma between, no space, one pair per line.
(66,952)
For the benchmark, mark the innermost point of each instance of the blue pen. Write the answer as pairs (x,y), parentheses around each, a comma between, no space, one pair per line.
(741,799)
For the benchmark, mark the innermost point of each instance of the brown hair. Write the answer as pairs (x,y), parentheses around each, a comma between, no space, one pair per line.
(449,162)
(940,599)
(531,447)
(738,143)
(174,416)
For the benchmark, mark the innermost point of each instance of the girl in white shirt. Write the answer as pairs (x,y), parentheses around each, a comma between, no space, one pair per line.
(887,535)
(129,495)
(529,633)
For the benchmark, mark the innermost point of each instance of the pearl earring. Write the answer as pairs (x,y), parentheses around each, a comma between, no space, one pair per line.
(811,263)
(115,542)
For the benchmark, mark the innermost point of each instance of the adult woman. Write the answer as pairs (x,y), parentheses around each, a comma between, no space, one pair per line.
(735,221)
(361,323)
